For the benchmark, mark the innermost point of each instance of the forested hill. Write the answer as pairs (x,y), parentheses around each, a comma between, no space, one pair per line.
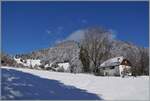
(69,51)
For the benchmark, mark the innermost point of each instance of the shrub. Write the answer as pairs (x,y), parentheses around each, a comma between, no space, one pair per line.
(60,69)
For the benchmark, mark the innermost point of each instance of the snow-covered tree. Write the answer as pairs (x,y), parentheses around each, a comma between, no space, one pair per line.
(96,43)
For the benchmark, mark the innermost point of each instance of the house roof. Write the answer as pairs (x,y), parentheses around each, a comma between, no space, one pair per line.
(112,62)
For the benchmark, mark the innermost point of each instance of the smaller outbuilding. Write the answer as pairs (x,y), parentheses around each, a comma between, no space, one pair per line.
(118,66)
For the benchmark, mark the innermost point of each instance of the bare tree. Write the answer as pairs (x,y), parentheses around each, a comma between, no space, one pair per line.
(7,60)
(96,43)
(139,58)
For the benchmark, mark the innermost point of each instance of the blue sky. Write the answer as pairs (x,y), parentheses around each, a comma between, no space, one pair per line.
(28,26)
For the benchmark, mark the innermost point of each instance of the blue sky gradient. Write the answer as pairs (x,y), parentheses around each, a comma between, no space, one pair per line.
(28,26)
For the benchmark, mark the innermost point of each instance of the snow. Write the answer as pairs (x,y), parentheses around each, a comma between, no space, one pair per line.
(18,60)
(33,62)
(64,65)
(112,61)
(29,62)
(39,84)
(121,69)
(48,65)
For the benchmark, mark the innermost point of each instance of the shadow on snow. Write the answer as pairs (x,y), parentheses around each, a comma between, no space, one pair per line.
(23,86)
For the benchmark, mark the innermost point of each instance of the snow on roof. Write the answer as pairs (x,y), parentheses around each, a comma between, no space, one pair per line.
(33,62)
(29,62)
(112,62)
(64,65)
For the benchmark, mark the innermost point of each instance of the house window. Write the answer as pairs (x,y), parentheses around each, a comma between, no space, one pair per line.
(112,67)
(2,61)
(125,62)
(118,59)
(21,60)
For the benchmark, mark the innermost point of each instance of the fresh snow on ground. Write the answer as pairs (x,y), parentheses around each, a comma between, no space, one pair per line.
(20,83)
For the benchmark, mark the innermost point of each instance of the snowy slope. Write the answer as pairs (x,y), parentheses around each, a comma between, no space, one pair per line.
(53,85)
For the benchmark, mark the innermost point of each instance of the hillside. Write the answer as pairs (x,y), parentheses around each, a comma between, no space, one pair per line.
(69,51)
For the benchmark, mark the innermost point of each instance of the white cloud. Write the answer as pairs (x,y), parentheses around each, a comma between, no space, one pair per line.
(114,36)
(113,33)
(60,28)
(84,21)
(48,31)
(79,35)
(76,36)
(57,30)
(58,41)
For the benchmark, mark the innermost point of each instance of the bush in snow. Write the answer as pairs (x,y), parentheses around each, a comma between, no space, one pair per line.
(6,60)
(60,69)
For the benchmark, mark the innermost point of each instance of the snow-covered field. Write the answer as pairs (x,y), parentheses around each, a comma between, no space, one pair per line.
(19,83)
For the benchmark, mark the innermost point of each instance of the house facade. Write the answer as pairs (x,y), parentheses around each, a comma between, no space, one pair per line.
(28,62)
(118,66)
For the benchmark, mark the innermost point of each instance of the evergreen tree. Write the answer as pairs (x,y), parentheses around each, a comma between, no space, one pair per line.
(84,59)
